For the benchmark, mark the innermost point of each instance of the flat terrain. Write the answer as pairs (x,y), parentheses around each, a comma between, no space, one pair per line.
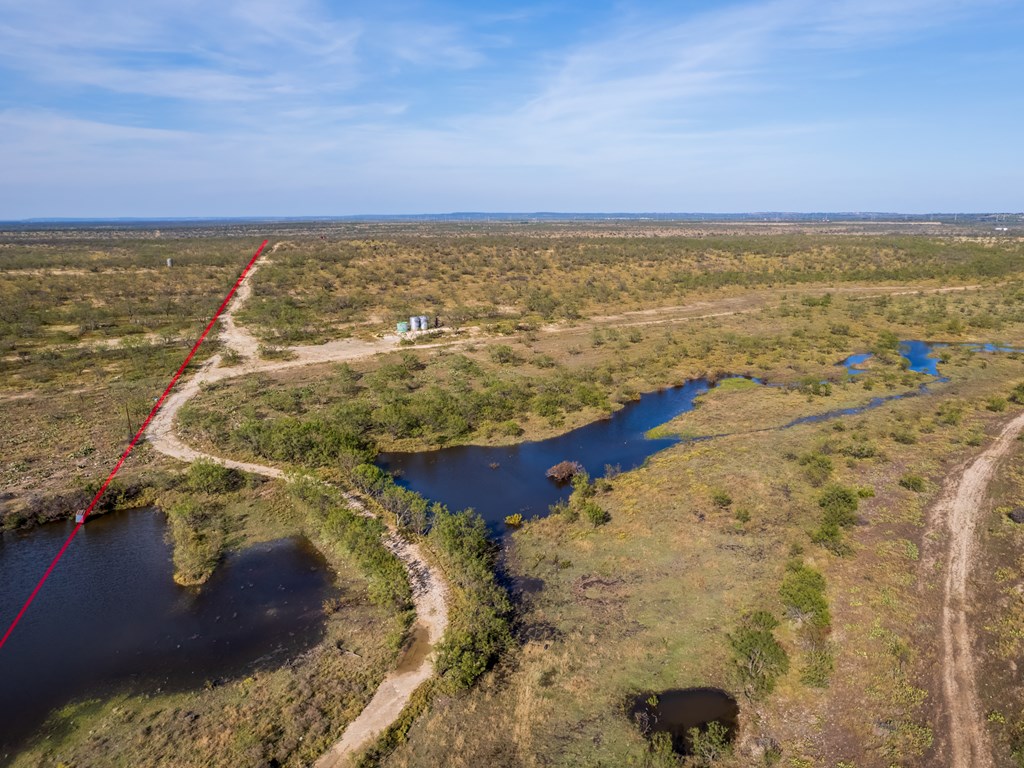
(877,540)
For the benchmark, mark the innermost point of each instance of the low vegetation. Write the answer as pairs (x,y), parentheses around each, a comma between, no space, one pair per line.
(197,528)
(760,659)
(781,558)
(479,626)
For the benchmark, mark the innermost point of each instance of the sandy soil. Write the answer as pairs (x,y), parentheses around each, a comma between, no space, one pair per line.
(957,515)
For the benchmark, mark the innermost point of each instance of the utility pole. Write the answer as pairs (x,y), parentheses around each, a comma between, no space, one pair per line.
(131,430)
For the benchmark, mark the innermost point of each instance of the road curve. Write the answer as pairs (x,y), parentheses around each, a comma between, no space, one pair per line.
(958,512)
(429,589)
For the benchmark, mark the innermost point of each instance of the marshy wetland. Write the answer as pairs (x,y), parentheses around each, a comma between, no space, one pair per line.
(788,564)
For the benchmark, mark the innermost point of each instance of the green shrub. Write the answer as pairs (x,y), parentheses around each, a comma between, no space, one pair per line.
(839,505)
(582,488)
(479,628)
(757,654)
(1017,395)
(860,449)
(595,513)
(544,361)
(570,512)
(709,745)
(812,385)
(950,413)
(830,536)
(205,476)
(996,404)
(359,537)
(888,342)
(913,483)
(362,538)
(409,508)
(721,498)
(503,354)
(198,531)
(904,436)
(817,467)
(803,594)
(510,428)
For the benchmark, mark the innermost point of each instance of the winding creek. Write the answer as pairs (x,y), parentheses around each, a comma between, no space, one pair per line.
(467,475)
(112,619)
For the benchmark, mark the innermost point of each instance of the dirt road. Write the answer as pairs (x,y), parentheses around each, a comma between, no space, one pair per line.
(397,688)
(958,512)
(746,304)
(428,585)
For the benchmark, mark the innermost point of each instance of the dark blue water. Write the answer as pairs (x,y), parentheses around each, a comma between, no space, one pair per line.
(921,358)
(918,355)
(111,618)
(462,476)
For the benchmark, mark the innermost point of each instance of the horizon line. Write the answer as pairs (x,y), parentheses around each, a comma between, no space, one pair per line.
(550,216)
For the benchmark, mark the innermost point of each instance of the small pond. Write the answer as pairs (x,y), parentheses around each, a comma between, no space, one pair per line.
(677,711)
(110,617)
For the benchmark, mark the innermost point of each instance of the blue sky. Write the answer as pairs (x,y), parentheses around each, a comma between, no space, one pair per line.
(298,107)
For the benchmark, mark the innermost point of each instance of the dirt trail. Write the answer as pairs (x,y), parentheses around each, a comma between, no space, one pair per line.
(746,304)
(958,511)
(428,585)
(397,688)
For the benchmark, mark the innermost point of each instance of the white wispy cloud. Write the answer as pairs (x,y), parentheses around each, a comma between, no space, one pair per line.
(183,50)
(300,94)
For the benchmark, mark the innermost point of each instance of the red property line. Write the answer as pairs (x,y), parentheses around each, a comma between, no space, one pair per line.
(131,445)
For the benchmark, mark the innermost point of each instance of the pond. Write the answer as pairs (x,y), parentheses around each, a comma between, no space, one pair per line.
(677,712)
(110,618)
